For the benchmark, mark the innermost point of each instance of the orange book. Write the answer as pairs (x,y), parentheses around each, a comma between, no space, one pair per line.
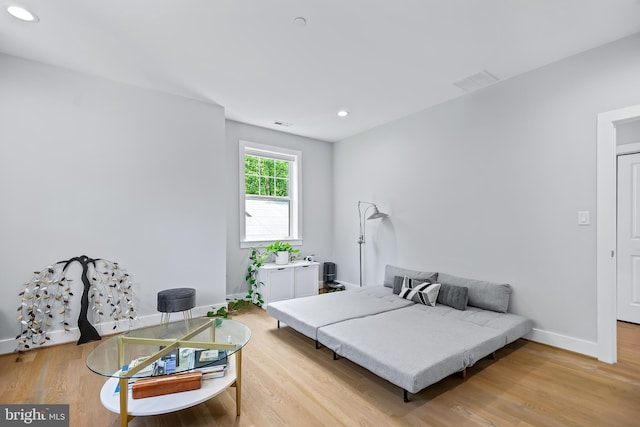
(157,386)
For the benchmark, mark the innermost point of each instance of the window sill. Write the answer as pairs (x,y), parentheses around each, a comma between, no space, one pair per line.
(265,243)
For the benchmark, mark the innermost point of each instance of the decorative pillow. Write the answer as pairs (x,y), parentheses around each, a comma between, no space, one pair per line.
(453,296)
(486,295)
(397,281)
(397,284)
(422,292)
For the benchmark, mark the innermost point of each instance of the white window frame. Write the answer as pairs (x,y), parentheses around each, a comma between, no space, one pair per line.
(295,190)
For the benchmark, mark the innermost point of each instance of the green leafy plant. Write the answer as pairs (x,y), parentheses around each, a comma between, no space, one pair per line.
(221,312)
(233,307)
(256,259)
(238,304)
(279,246)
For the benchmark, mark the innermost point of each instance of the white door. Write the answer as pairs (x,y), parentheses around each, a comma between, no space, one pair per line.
(280,284)
(306,280)
(629,238)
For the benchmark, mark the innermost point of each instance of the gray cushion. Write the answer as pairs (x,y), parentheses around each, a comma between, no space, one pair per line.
(174,300)
(454,296)
(390,272)
(487,295)
(397,284)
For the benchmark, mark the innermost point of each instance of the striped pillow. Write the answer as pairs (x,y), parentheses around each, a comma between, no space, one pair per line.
(422,292)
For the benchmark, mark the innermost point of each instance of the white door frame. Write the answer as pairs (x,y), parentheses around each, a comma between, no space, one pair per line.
(606,229)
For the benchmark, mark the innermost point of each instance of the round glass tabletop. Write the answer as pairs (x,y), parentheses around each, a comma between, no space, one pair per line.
(184,345)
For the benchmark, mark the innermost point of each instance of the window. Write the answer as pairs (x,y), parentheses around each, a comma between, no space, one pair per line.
(269,194)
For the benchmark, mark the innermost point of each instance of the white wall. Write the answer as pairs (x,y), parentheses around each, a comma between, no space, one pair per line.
(317,181)
(89,166)
(488,186)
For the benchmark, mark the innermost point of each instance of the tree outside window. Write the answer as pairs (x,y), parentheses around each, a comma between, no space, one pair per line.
(266,177)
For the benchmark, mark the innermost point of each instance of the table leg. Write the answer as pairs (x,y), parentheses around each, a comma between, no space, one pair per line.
(124,394)
(124,385)
(238,380)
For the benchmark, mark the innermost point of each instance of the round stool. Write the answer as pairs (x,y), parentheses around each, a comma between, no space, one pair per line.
(175,300)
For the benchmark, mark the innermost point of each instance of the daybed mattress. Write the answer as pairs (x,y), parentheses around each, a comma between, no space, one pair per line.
(415,347)
(307,314)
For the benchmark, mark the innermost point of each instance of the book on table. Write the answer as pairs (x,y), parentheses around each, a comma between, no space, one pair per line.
(212,364)
(209,358)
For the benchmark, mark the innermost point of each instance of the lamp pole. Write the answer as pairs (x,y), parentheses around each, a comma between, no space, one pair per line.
(361,237)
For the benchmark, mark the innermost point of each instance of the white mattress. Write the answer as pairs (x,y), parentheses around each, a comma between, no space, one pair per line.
(308,314)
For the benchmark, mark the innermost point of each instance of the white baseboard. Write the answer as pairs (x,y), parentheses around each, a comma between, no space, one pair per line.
(577,345)
(106,328)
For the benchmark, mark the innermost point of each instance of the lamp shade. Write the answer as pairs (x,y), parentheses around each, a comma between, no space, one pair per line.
(377,214)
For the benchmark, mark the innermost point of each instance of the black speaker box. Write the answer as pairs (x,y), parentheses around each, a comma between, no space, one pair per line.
(329,272)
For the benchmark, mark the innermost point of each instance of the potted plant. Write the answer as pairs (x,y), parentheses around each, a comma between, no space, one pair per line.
(282,251)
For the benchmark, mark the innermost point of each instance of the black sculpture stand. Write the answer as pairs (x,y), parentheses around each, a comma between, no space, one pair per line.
(87,331)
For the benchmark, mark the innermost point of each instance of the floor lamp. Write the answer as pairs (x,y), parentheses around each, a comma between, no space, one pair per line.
(362,218)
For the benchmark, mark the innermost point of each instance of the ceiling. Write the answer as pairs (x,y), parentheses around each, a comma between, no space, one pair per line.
(378,59)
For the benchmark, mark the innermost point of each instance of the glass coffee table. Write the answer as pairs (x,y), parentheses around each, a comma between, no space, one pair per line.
(164,349)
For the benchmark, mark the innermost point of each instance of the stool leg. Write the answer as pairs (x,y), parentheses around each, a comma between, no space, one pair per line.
(165,317)
(186,315)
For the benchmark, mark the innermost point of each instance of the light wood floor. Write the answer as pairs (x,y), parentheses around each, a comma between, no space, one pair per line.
(287,382)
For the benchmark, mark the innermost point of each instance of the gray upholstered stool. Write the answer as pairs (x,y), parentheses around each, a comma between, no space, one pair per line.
(175,300)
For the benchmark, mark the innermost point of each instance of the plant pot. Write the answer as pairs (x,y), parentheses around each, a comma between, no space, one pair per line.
(282,257)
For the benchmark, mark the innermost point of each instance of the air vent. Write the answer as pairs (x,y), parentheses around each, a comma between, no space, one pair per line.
(284,124)
(476,81)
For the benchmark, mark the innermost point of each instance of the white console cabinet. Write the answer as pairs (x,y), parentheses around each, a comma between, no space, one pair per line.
(294,280)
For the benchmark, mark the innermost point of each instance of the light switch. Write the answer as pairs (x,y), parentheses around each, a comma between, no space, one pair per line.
(583,218)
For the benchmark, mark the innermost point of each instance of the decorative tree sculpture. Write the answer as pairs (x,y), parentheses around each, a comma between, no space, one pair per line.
(47,294)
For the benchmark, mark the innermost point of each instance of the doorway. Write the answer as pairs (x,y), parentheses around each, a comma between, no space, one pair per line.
(628,236)
(607,229)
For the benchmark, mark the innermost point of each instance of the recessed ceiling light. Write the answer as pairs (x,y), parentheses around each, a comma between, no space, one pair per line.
(343,113)
(299,21)
(22,14)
